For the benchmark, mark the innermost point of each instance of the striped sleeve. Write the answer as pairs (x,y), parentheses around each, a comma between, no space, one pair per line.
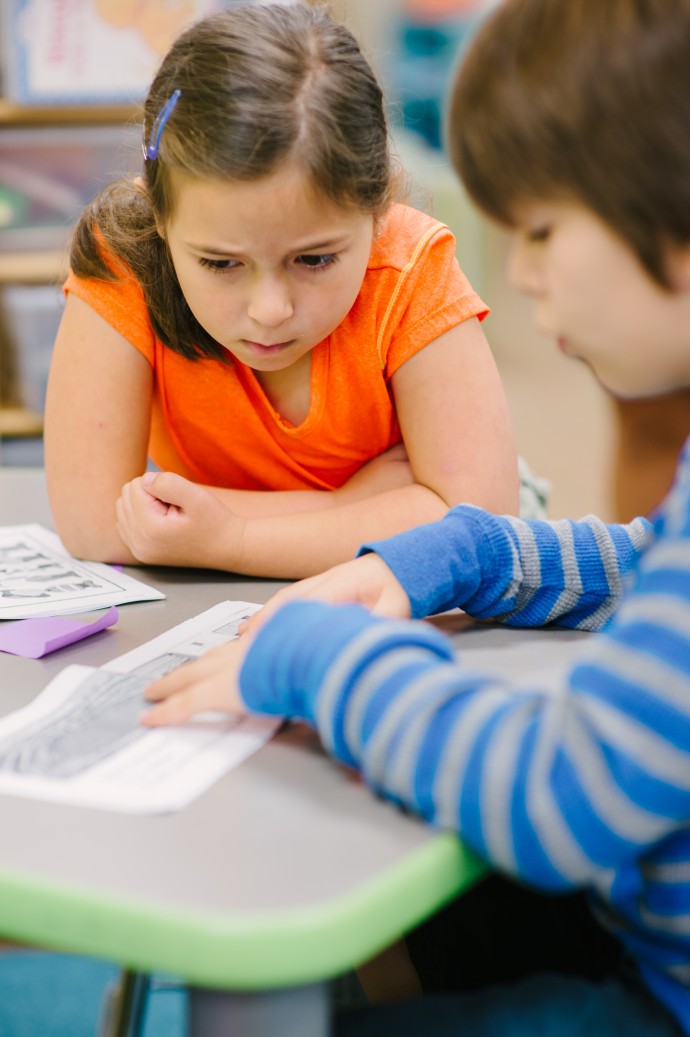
(525,573)
(562,784)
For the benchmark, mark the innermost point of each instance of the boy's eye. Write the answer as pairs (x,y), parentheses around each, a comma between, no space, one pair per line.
(218,264)
(538,234)
(319,262)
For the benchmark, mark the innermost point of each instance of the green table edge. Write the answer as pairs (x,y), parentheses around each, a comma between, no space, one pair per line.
(252,951)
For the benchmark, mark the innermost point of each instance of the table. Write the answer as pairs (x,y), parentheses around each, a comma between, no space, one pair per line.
(284,874)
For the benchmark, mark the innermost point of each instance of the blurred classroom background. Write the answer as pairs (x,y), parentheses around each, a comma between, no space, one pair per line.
(70,124)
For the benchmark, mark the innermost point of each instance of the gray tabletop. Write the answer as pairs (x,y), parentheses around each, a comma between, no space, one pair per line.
(286,871)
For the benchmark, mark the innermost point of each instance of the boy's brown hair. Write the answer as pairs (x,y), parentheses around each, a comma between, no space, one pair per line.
(261,85)
(584,100)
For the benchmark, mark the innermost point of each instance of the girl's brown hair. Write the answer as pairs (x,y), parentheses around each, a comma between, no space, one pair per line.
(261,84)
(584,100)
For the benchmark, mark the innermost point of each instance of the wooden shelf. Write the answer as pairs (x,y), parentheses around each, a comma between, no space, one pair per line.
(12,114)
(43,266)
(18,422)
(33,267)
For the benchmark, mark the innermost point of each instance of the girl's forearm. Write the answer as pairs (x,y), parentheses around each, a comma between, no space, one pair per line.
(253,504)
(389,471)
(293,546)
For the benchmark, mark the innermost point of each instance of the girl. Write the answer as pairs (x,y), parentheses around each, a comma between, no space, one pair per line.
(300,356)
(569,124)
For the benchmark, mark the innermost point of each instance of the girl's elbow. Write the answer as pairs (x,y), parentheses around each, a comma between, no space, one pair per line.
(90,544)
(499,500)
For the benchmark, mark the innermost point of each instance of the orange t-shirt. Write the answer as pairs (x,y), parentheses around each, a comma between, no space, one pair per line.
(211,421)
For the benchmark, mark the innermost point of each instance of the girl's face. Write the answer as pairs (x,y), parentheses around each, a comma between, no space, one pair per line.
(596,299)
(267,267)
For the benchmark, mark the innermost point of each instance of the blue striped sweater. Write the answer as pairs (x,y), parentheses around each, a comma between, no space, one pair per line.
(582,786)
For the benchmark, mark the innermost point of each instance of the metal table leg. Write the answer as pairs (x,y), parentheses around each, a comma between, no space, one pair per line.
(125,1004)
(293,1012)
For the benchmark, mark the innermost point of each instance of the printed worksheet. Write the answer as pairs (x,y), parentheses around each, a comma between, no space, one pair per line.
(80,741)
(39,578)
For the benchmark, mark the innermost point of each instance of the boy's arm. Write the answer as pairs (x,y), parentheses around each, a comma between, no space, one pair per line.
(556,783)
(522,572)
(561,780)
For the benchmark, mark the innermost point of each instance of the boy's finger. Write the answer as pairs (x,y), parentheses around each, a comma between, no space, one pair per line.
(301,589)
(177,680)
(168,713)
(162,689)
(181,705)
(253,623)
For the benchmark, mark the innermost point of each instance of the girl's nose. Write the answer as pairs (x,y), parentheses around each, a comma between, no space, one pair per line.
(523,269)
(270,302)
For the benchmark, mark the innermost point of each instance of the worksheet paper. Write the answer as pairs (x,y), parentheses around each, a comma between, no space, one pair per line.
(39,578)
(81,741)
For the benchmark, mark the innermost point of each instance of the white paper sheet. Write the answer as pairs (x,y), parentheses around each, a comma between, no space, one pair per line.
(80,741)
(39,578)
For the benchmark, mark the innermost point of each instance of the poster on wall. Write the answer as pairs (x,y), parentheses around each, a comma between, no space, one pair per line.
(89,51)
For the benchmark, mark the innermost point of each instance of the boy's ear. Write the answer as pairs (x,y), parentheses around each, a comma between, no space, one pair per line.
(679,267)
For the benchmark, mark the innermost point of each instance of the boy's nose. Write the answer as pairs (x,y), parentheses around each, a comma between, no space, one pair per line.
(523,272)
(270,303)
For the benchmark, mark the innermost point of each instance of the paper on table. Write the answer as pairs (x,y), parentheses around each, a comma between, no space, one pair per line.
(80,741)
(39,578)
(34,638)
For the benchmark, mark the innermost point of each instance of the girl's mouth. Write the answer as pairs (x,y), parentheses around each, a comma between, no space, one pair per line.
(261,349)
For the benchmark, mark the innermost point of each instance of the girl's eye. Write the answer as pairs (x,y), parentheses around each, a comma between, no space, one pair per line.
(317,262)
(218,265)
(538,234)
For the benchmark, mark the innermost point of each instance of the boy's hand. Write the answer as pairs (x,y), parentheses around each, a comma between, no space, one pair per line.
(165,519)
(207,684)
(212,682)
(364,581)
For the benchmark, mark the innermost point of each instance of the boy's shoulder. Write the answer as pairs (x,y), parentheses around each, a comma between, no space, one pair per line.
(401,233)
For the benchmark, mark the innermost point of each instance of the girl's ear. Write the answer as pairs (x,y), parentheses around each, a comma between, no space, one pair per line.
(141,186)
(380,220)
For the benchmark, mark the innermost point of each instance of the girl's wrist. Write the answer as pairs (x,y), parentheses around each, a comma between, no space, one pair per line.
(236,550)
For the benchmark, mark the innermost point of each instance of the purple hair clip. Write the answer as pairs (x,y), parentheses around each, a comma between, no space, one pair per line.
(151,149)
